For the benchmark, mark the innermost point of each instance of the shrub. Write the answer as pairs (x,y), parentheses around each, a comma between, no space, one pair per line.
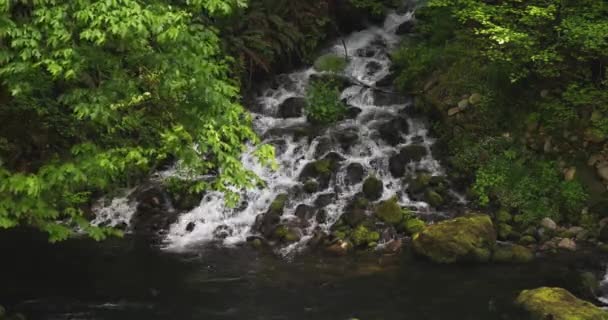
(324,105)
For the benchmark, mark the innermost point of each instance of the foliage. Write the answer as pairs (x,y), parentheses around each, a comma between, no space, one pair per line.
(330,63)
(324,105)
(108,88)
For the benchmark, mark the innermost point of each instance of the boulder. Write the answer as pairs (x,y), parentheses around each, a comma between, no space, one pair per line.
(362,236)
(464,239)
(352,112)
(340,248)
(292,107)
(406,27)
(433,198)
(354,173)
(267,222)
(392,131)
(373,188)
(389,211)
(383,99)
(372,68)
(557,304)
(324,200)
(321,170)
(567,244)
(154,213)
(305,212)
(355,211)
(512,254)
(407,154)
(475,99)
(413,226)
(346,137)
(548,224)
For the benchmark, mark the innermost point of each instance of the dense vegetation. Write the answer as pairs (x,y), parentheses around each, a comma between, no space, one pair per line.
(533,76)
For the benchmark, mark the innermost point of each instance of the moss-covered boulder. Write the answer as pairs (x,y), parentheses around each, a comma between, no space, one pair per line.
(389,211)
(413,226)
(512,254)
(433,198)
(330,63)
(286,234)
(373,188)
(278,205)
(321,171)
(362,236)
(557,304)
(464,239)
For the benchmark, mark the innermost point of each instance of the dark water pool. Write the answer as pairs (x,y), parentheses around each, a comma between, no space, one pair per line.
(127,279)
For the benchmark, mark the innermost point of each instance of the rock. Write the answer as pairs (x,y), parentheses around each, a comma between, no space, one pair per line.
(392,131)
(453,111)
(464,239)
(393,246)
(340,81)
(567,244)
(384,99)
(405,28)
(373,188)
(407,154)
(305,212)
(594,159)
(421,182)
(512,254)
(570,174)
(463,104)
(346,137)
(321,170)
(386,81)
(154,213)
(602,171)
(475,99)
(504,231)
(354,173)
(339,248)
(557,304)
(292,107)
(548,224)
(267,222)
(433,198)
(311,186)
(372,67)
(287,234)
(363,237)
(355,211)
(330,63)
(389,211)
(190,227)
(353,112)
(324,200)
(413,226)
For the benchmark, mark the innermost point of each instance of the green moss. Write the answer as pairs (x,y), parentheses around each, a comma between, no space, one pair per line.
(413,226)
(420,183)
(434,198)
(373,188)
(311,186)
(389,211)
(286,234)
(339,234)
(362,236)
(527,240)
(361,203)
(504,231)
(322,166)
(557,304)
(468,238)
(330,63)
(513,254)
(278,205)
(503,216)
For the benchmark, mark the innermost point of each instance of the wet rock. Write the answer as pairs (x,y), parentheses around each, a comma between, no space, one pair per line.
(475,99)
(372,67)
(527,240)
(305,212)
(340,81)
(154,213)
(267,222)
(352,112)
(453,111)
(412,153)
(321,217)
(223,232)
(362,236)
(373,188)
(346,137)
(392,131)
(413,226)
(287,234)
(406,27)
(297,131)
(433,198)
(557,304)
(512,254)
(389,211)
(324,145)
(470,238)
(548,224)
(355,211)
(311,186)
(292,107)
(340,248)
(421,182)
(504,231)
(321,170)
(387,81)
(567,244)
(382,98)
(354,173)
(325,200)
(190,227)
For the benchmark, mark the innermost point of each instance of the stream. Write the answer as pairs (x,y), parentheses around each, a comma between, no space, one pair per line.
(203,267)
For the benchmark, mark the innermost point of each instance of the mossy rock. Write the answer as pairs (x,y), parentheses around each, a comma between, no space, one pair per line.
(286,234)
(464,239)
(503,216)
(311,186)
(278,205)
(389,211)
(513,254)
(413,226)
(557,304)
(330,63)
(504,231)
(433,198)
(527,240)
(373,188)
(421,182)
(362,236)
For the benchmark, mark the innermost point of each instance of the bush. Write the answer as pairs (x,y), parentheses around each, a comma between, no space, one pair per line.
(324,105)
(330,63)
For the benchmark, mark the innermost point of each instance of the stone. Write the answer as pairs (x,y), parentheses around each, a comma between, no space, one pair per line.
(355,211)
(305,212)
(373,188)
(353,112)
(475,99)
(433,198)
(392,131)
(311,186)
(557,304)
(413,226)
(570,174)
(421,182)
(567,244)
(361,236)
(340,248)
(463,104)
(548,224)
(464,239)
(354,173)
(512,254)
(384,99)
(324,200)
(389,211)
(407,154)
(393,246)
(504,231)
(292,107)
(594,159)
(346,137)
(603,172)
(372,68)
(154,212)
(453,111)
(190,227)
(406,27)
(287,234)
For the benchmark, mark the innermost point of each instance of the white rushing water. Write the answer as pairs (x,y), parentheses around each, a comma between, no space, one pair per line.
(213,221)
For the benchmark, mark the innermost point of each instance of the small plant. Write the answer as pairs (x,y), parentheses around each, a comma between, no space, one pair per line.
(330,63)
(324,105)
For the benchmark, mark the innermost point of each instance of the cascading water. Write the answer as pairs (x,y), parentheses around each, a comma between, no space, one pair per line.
(369,62)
